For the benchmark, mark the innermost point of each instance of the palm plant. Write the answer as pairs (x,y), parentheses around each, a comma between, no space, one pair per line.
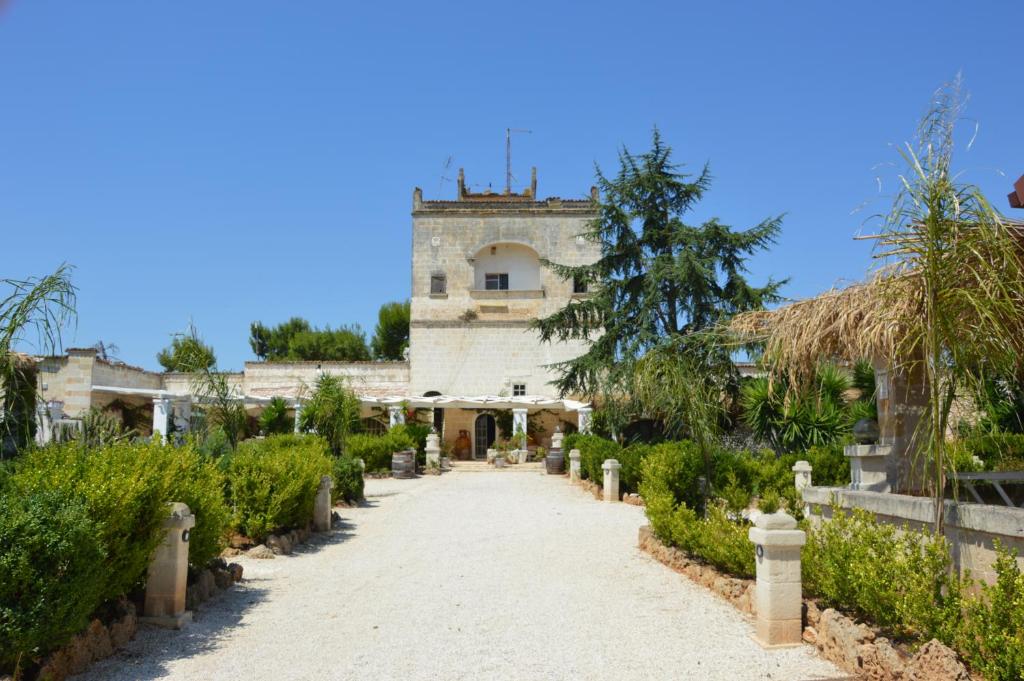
(221,405)
(274,419)
(44,306)
(967,274)
(332,411)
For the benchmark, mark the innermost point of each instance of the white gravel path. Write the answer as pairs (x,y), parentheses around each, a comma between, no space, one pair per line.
(496,575)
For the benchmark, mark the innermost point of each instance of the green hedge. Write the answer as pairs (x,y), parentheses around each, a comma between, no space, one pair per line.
(273,482)
(79,526)
(53,573)
(376,450)
(348,480)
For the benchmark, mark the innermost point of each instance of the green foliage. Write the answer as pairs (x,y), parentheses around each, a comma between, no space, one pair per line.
(273,482)
(198,481)
(417,434)
(657,277)
(992,636)
(593,451)
(376,450)
(46,306)
(668,480)
(900,579)
(391,336)
(99,428)
(715,539)
(997,450)
(297,340)
(125,488)
(348,480)
(52,573)
(275,419)
(794,419)
(186,353)
(332,412)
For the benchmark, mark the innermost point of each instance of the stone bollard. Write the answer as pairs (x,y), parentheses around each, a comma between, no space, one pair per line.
(433,450)
(778,593)
(322,505)
(802,475)
(611,467)
(574,466)
(168,572)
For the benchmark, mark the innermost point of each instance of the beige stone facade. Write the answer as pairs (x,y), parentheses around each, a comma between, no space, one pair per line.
(468,339)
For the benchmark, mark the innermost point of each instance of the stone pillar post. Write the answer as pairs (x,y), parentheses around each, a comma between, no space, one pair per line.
(322,505)
(611,467)
(433,450)
(574,466)
(168,572)
(778,592)
(298,414)
(396,416)
(519,423)
(161,415)
(44,426)
(583,419)
(801,475)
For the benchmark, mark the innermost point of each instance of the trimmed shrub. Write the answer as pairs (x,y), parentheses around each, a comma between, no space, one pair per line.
(376,450)
(197,480)
(273,482)
(991,637)
(417,434)
(594,449)
(901,579)
(53,573)
(348,480)
(716,539)
(124,487)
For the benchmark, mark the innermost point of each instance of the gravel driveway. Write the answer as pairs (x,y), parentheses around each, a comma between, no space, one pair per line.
(492,575)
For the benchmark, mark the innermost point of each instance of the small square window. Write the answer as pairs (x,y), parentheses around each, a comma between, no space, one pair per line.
(518,390)
(579,285)
(438,283)
(496,282)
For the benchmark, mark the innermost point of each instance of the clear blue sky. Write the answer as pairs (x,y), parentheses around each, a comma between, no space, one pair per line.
(230,161)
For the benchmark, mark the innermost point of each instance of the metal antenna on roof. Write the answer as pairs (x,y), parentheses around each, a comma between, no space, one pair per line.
(508,156)
(444,173)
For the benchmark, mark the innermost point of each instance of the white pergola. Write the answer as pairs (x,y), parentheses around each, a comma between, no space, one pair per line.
(520,406)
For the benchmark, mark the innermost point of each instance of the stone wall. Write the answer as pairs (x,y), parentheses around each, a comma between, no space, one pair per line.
(469,341)
(971,529)
(289,379)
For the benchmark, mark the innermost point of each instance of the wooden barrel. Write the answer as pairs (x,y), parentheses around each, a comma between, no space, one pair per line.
(403,464)
(555,462)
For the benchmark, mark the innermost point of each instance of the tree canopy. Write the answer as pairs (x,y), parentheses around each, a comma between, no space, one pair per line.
(297,340)
(391,336)
(659,280)
(186,353)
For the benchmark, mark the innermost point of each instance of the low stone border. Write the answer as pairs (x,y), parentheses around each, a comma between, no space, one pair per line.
(855,648)
(97,642)
(218,577)
(633,499)
(275,545)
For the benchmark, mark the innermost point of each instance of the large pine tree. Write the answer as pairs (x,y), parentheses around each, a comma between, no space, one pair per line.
(659,280)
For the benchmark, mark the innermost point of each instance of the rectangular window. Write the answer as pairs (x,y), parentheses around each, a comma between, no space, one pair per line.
(579,285)
(496,282)
(518,390)
(438,283)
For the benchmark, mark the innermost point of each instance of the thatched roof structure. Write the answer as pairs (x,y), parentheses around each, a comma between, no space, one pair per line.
(864,320)
(22,361)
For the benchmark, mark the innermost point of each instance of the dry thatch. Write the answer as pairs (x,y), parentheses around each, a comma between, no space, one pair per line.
(864,320)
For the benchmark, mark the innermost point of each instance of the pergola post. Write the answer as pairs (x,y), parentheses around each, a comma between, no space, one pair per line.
(583,419)
(161,416)
(298,414)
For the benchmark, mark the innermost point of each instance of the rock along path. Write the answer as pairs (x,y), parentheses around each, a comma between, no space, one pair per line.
(492,575)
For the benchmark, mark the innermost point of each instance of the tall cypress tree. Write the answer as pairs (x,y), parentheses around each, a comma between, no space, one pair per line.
(659,281)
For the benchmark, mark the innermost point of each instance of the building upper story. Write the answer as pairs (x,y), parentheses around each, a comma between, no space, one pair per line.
(480,257)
